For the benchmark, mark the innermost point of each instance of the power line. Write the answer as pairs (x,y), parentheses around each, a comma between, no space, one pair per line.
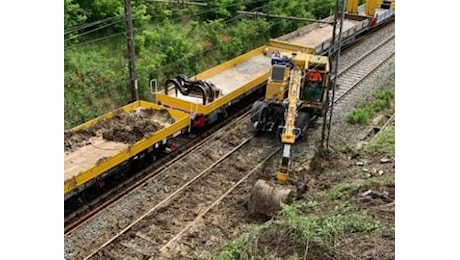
(182,2)
(255,14)
(93,30)
(95,40)
(83,26)
(100,28)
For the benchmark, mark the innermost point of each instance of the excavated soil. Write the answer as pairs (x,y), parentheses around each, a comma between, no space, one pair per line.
(123,127)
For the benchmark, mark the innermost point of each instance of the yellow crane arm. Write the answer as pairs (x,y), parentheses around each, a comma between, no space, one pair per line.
(290,131)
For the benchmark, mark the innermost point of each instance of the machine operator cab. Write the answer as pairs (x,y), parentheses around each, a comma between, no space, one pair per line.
(316,80)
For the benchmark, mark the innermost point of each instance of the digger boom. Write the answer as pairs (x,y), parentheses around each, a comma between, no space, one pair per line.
(295,95)
(290,132)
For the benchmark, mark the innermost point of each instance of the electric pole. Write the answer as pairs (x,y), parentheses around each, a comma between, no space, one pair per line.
(131,54)
(334,55)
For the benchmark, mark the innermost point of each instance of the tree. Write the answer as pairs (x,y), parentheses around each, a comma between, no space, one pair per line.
(73,17)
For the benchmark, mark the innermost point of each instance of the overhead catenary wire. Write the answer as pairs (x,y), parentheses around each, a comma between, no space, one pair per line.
(84,26)
(93,30)
(166,65)
(95,40)
(178,2)
(104,26)
(282,17)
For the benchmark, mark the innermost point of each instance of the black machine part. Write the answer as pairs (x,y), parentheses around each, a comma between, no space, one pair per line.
(185,86)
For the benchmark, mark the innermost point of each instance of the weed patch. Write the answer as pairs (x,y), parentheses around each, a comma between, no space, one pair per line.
(362,115)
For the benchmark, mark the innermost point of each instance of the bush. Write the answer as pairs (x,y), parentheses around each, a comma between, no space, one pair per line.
(362,115)
(384,142)
(383,100)
(359,116)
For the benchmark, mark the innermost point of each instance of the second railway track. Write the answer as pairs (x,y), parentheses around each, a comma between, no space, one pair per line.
(356,72)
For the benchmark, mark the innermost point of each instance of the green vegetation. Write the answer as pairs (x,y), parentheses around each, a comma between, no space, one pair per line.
(295,230)
(383,142)
(331,224)
(237,249)
(362,115)
(345,191)
(170,39)
(359,116)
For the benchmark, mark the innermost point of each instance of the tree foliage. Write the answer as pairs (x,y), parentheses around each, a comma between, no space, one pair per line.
(223,9)
(100,9)
(73,16)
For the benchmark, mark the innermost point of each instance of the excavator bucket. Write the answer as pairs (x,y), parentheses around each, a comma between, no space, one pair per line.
(266,198)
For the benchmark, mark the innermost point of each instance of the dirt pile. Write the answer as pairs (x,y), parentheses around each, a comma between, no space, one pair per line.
(76,139)
(122,127)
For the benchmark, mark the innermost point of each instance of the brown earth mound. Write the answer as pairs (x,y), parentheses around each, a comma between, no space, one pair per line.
(123,127)
(75,139)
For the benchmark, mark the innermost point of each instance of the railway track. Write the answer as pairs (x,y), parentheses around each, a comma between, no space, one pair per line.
(158,202)
(359,70)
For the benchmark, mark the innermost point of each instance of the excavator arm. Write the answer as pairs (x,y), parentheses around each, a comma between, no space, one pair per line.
(290,132)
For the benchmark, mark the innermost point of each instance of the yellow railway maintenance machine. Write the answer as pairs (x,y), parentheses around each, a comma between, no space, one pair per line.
(378,9)
(296,93)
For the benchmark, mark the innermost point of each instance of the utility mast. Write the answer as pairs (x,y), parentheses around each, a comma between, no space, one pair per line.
(334,55)
(131,54)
